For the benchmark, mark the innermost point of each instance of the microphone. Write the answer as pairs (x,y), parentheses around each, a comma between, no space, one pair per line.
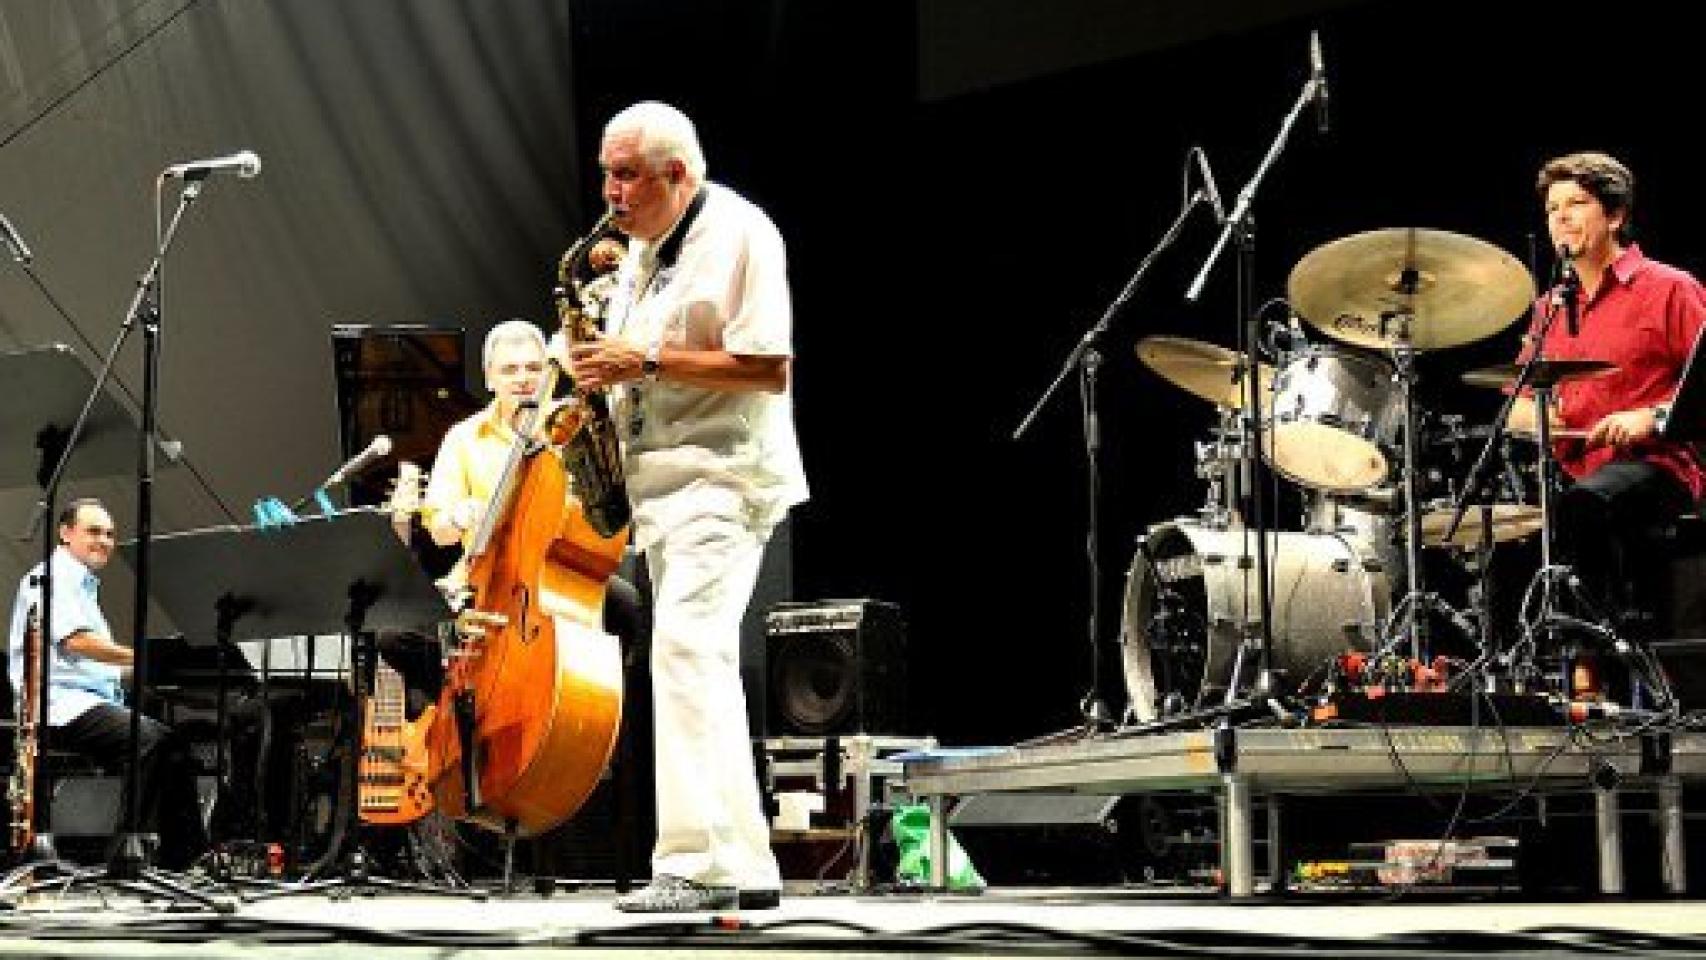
(247,164)
(376,451)
(14,242)
(1569,284)
(1208,184)
(1318,76)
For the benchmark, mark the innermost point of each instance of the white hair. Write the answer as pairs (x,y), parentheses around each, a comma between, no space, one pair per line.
(665,134)
(511,331)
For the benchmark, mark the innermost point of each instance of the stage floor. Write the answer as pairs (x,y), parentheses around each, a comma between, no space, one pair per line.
(1053,920)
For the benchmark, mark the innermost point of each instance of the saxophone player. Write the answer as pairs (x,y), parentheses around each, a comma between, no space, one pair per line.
(698,351)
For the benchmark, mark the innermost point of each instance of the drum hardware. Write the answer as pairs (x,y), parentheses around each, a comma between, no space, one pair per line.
(1540,611)
(1405,290)
(1238,224)
(1221,462)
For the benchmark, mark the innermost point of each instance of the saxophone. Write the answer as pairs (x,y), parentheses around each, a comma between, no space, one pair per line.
(21,791)
(593,454)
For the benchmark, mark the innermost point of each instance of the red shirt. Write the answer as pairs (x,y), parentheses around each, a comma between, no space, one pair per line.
(1644,318)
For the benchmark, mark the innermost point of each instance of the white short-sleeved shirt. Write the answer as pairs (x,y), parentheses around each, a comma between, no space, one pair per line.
(726,290)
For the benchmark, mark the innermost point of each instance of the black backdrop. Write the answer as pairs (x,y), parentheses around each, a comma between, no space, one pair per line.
(960,204)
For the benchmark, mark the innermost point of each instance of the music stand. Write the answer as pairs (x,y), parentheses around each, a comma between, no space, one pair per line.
(46,387)
(344,573)
(49,386)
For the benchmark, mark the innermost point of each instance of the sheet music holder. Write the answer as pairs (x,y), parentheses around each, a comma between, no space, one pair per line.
(254,584)
(343,573)
(46,387)
(1687,420)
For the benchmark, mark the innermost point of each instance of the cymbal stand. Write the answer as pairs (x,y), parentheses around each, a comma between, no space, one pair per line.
(1410,616)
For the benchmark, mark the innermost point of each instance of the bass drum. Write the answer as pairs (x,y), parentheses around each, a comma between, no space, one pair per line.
(1191,596)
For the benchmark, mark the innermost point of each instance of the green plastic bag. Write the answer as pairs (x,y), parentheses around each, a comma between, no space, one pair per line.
(911,827)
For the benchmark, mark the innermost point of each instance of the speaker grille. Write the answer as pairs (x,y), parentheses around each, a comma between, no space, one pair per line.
(836,666)
(817,682)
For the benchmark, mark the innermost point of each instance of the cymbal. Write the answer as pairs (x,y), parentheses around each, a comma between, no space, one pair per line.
(1511,521)
(1204,369)
(1452,289)
(1547,373)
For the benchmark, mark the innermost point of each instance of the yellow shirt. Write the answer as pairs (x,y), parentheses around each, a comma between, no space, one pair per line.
(469,464)
(470,460)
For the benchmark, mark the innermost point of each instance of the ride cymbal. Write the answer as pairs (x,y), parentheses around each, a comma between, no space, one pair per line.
(1430,288)
(1204,369)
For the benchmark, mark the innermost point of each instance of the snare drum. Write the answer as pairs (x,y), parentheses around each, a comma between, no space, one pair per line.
(1334,415)
(1191,597)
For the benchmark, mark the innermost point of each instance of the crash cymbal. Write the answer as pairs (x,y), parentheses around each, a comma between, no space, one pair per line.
(1451,288)
(1511,521)
(1204,369)
(1547,373)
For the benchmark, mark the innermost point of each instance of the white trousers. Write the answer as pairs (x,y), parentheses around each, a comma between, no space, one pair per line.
(711,824)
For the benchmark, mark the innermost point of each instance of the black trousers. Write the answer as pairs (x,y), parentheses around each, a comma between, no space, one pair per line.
(1605,527)
(165,773)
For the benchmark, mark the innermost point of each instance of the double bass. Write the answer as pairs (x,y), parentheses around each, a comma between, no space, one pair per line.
(532,698)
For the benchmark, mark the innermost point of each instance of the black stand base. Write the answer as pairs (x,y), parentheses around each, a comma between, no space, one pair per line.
(356,877)
(128,871)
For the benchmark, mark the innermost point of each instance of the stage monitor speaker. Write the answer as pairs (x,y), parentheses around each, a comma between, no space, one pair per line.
(836,667)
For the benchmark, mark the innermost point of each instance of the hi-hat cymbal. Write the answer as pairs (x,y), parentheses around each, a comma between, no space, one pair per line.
(1547,372)
(1204,369)
(1511,521)
(1435,289)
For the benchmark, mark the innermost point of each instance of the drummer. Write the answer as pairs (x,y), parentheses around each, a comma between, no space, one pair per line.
(1642,316)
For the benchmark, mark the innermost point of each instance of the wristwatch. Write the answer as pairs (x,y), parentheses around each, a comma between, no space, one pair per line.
(652,365)
(1661,417)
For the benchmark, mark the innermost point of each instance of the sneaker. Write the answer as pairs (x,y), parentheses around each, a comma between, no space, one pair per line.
(760,899)
(667,894)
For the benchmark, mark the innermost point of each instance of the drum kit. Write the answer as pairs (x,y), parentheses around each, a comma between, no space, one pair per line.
(1341,422)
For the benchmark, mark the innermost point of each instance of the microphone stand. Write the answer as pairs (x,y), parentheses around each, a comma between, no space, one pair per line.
(1087,359)
(129,867)
(1240,224)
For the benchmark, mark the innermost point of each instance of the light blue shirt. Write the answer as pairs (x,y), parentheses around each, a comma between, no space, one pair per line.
(78,683)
